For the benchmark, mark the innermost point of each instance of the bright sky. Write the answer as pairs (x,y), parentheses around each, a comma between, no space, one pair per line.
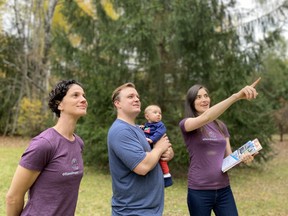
(251,7)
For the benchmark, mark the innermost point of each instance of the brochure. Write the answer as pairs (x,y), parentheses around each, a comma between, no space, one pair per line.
(234,158)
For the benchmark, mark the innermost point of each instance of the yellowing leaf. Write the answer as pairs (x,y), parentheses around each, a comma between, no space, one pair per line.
(75,40)
(58,18)
(87,7)
(109,9)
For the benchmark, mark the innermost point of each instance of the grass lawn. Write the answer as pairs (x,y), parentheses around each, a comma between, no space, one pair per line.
(259,191)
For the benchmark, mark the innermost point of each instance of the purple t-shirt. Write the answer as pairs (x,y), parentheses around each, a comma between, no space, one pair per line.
(55,191)
(206,150)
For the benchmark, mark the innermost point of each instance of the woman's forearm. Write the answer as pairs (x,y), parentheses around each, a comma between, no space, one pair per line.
(14,206)
(215,111)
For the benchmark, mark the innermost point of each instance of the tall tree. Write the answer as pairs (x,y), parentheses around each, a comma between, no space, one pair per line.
(163,47)
(31,27)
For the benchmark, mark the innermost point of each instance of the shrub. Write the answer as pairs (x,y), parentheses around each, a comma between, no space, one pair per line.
(31,120)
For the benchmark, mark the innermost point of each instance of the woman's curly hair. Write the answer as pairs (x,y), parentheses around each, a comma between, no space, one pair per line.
(58,93)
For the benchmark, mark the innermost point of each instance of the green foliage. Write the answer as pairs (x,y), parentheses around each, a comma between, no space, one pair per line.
(274,85)
(275,89)
(164,47)
(251,120)
(10,82)
(94,134)
(95,151)
(31,120)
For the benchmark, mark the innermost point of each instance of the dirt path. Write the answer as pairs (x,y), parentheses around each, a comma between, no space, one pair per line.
(13,141)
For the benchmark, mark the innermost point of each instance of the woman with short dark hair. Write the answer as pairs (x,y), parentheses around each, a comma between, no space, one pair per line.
(51,168)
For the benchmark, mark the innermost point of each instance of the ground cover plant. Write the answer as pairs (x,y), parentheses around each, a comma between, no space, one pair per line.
(258,190)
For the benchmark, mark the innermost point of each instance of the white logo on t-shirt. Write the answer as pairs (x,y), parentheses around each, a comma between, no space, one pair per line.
(74,163)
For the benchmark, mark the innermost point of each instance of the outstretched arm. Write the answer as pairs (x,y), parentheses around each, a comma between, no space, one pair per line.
(248,92)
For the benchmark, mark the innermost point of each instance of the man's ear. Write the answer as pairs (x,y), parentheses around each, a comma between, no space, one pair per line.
(116,103)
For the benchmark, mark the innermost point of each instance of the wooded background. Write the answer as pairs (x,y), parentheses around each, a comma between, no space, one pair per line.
(163,47)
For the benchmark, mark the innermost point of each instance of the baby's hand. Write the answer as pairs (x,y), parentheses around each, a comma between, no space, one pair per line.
(149,140)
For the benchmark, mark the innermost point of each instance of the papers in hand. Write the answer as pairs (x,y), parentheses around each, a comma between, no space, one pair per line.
(234,158)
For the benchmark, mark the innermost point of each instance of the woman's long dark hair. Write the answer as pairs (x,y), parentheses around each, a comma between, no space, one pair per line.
(190,110)
(191,96)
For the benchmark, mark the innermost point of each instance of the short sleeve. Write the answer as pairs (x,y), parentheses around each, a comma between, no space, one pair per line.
(128,148)
(37,155)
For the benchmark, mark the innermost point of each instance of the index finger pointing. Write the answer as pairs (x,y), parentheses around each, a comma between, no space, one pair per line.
(256,82)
